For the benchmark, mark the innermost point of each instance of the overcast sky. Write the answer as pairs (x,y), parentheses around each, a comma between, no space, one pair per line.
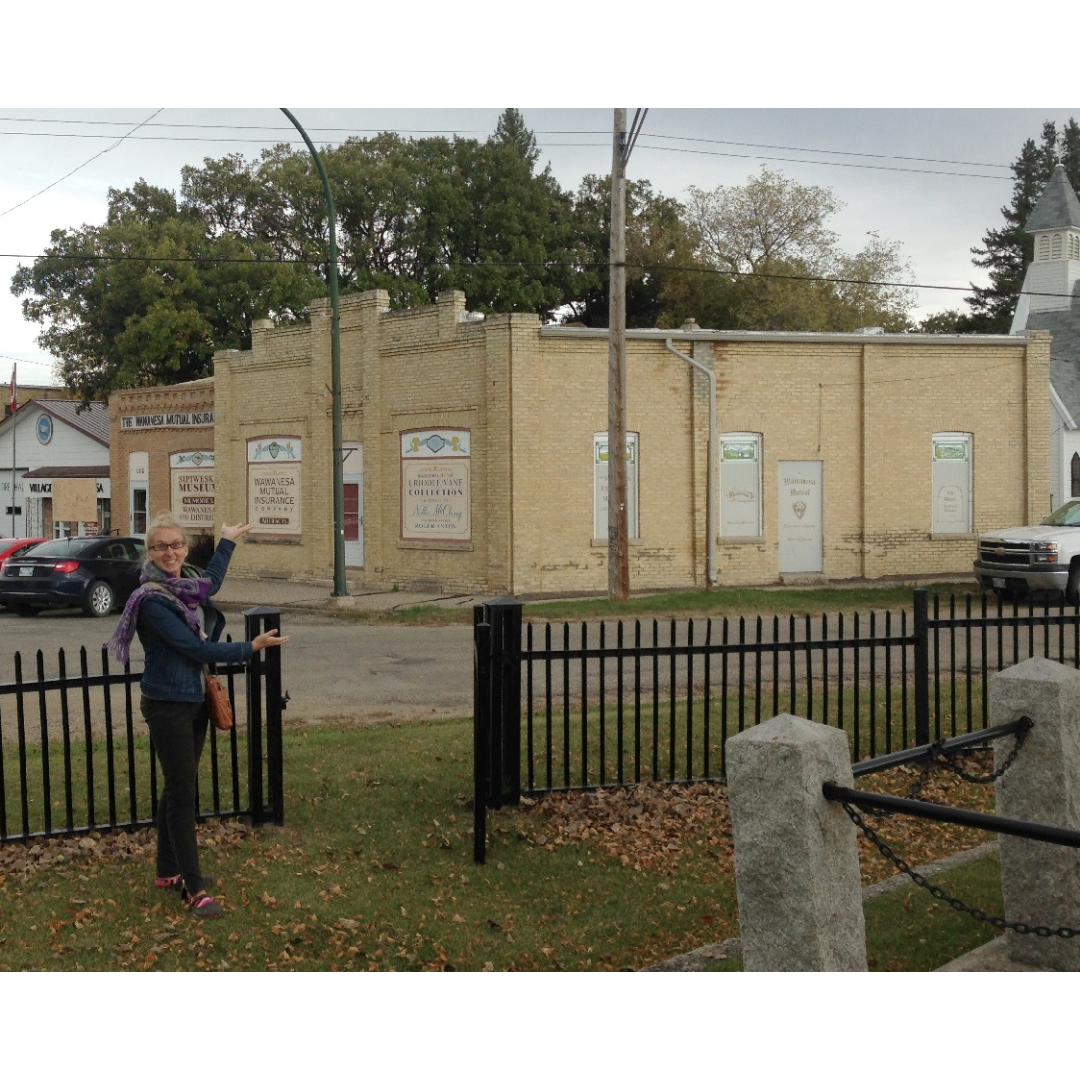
(932,178)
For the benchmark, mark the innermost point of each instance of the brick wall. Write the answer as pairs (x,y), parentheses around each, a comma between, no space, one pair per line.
(159,443)
(532,398)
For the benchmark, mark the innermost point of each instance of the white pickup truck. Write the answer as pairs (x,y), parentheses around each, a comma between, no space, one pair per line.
(1034,558)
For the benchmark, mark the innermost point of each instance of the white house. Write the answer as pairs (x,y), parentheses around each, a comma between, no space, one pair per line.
(57,460)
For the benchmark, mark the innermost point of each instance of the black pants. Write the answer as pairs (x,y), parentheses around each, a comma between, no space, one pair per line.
(178,731)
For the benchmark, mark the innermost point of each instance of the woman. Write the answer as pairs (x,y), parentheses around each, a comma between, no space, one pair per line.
(179,632)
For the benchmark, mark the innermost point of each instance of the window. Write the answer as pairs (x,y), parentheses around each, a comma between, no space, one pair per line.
(138,491)
(1044,246)
(600,485)
(1074,467)
(1055,247)
(740,484)
(1074,246)
(952,482)
(138,509)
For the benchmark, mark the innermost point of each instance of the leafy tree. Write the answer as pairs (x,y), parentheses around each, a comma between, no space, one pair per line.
(415,217)
(657,239)
(147,297)
(1006,251)
(769,261)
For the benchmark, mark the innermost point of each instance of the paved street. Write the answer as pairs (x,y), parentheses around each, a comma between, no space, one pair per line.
(331,667)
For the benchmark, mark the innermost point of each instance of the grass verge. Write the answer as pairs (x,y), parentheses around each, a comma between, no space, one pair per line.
(698,602)
(374,871)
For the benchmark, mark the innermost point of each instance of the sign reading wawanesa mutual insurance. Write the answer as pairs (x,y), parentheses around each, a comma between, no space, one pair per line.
(150,421)
(274,493)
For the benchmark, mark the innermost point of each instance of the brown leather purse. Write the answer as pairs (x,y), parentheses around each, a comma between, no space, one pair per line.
(217,703)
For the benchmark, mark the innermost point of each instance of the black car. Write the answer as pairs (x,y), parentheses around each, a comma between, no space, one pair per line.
(95,573)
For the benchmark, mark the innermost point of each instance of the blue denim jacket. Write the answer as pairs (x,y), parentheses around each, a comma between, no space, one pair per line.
(174,653)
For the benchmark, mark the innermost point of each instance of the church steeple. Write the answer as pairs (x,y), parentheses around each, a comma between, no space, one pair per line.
(1055,225)
(1057,207)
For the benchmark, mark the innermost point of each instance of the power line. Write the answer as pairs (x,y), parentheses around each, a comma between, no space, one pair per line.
(78,167)
(833,164)
(578,264)
(546,143)
(483,131)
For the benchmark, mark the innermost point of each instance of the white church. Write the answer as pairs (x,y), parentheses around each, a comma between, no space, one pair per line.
(1050,300)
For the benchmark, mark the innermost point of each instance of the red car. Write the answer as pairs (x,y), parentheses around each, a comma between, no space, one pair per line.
(10,547)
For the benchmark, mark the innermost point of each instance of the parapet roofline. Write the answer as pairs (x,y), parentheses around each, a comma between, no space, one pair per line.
(848,336)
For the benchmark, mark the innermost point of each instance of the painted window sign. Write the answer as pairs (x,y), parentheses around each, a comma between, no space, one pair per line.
(274,486)
(600,448)
(739,449)
(951,450)
(44,428)
(192,474)
(435,485)
(740,484)
(600,485)
(192,459)
(435,444)
(952,483)
(273,449)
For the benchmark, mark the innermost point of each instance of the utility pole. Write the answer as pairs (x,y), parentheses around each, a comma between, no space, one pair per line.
(618,526)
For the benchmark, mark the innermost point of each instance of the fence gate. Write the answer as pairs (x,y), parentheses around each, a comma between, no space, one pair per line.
(75,755)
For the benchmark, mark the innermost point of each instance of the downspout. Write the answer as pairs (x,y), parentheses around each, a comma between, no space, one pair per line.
(710,472)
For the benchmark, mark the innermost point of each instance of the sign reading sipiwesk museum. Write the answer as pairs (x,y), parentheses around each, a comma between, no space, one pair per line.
(193,488)
(274,485)
(435,494)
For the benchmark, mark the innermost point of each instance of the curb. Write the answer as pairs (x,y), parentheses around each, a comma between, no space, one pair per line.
(698,959)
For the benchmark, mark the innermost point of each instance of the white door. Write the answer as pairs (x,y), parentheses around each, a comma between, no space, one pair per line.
(353,482)
(799,518)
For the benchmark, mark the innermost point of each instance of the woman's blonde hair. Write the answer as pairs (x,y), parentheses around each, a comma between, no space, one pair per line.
(163,519)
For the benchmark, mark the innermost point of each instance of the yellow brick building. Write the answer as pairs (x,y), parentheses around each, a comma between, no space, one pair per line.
(475,451)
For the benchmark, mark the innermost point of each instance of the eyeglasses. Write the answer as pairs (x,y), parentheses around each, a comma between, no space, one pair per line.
(176,545)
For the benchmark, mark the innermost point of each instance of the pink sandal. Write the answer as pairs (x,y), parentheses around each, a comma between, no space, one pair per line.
(203,905)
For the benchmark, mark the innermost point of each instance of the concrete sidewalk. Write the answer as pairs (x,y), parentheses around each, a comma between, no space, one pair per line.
(238,593)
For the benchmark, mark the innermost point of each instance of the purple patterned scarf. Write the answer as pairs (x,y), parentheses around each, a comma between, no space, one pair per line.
(186,592)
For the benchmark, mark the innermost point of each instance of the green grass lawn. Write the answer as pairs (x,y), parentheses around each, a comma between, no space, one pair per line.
(697,602)
(373,871)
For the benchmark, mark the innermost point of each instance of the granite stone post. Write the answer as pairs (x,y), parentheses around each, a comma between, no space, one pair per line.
(1040,882)
(796,856)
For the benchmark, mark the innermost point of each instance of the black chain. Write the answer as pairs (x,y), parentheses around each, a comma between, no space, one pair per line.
(937,752)
(1021,734)
(957,905)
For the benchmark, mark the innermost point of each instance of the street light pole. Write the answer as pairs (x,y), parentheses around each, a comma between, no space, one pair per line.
(335,371)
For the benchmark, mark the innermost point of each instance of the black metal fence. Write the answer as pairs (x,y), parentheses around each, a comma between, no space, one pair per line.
(561,707)
(75,757)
